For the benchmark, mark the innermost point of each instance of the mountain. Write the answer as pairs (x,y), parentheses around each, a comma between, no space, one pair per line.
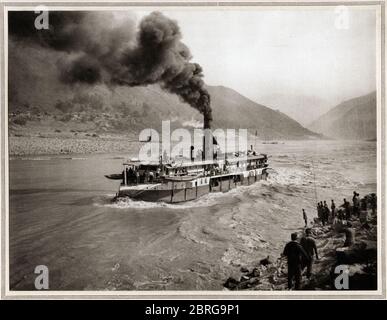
(232,110)
(39,101)
(302,108)
(353,119)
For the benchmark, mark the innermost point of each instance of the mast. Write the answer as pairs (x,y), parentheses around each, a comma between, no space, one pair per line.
(314,183)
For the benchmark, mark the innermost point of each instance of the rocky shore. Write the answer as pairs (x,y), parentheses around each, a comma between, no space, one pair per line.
(35,134)
(56,145)
(359,259)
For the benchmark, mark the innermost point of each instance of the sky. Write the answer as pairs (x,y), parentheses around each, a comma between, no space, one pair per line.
(263,52)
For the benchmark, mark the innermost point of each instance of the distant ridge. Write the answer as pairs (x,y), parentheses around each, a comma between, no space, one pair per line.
(302,108)
(42,102)
(231,109)
(354,119)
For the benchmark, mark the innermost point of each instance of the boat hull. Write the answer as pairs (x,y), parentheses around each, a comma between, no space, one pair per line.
(176,195)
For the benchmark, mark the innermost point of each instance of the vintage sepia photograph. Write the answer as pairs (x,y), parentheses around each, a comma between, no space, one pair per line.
(229,149)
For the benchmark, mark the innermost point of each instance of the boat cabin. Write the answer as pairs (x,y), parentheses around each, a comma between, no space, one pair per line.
(136,172)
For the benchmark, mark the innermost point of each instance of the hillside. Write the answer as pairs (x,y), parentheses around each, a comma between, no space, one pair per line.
(232,110)
(352,119)
(40,105)
(128,110)
(302,108)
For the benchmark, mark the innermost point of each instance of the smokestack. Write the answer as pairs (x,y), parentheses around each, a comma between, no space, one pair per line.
(207,124)
(207,118)
(208,145)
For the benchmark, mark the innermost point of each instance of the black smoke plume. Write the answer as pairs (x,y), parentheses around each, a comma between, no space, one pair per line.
(99,51)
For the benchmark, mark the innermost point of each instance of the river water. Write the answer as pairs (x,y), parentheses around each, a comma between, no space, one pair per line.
(61,216)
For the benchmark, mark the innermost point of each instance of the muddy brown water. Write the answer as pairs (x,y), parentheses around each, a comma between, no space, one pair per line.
(61,216)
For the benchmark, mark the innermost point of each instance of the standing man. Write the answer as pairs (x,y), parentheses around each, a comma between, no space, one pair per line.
(355,201)
(326,212)
(319,211)
(309,245)
(296,255)
(333,210)
(347,210)
(305,217)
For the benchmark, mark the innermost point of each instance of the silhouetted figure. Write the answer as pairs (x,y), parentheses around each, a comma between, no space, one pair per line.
(333,210)
(326,213)
(347,209)
(296,256)
(355,201)
(305,217)
(319,211)
(309,245)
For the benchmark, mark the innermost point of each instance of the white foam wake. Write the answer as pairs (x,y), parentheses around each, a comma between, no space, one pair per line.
(126,203)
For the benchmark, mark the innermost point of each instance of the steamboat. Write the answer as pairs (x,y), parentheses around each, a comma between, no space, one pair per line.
(180,180)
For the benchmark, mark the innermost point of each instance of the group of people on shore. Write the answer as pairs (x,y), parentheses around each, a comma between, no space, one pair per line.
(300,254)
(344,212)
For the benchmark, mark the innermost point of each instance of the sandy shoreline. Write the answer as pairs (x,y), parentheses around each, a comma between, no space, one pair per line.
(61,144)
(35,146)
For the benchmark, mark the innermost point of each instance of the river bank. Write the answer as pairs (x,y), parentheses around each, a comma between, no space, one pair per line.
(360,259)
(58,145)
